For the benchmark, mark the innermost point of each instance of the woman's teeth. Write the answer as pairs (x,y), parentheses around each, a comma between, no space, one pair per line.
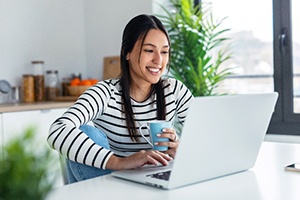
(154,70)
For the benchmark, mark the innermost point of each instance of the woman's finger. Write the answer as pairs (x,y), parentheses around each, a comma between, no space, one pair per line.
(169,133)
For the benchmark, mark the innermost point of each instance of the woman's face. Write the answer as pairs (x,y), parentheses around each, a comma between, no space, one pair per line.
(148,61)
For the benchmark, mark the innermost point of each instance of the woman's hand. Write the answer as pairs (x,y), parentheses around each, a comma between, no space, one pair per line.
(139,159)
(172,144)
(151,157)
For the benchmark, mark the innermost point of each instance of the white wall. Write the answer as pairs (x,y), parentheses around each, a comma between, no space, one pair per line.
(50,30)
(105,21)
(70,35)
(156,6)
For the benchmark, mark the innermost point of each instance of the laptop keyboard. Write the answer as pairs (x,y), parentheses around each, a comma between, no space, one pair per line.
(161,175)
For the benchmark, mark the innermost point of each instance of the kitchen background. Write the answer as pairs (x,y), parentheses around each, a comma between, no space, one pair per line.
(70,36)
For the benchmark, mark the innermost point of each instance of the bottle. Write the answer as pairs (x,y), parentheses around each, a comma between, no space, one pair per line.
(39,80)
(52,85)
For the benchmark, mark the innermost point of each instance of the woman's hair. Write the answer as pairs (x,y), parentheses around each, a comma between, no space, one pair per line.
(137,29)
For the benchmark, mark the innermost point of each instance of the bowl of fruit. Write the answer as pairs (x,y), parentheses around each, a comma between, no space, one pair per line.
(77,86)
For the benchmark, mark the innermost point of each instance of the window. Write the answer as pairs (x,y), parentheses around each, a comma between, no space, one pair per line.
(296,54)
(266,54)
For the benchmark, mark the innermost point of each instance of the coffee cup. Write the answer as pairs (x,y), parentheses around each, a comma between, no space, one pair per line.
(155,127)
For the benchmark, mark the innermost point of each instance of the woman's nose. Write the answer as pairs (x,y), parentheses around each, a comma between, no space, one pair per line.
(157,58)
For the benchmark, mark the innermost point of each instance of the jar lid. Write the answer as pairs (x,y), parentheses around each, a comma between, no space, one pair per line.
(37,62)
(52,71)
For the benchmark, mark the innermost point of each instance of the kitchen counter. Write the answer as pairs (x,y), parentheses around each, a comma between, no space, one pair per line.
(16,107)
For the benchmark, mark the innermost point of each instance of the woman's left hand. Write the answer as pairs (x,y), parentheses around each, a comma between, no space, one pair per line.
(173,141)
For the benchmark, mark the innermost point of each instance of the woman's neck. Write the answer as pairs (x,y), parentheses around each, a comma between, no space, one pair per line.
(140,92)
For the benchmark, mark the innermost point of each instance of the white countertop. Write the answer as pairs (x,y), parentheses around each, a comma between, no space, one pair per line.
(266,181)
(17,107)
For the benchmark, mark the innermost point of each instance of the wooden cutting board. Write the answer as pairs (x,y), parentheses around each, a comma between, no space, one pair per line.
(111,67)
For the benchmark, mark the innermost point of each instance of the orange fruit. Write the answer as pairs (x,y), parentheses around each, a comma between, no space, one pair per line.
(94,81)
(75,82)
(86,82)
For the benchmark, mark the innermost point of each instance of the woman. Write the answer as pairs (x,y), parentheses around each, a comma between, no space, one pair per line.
(117,107)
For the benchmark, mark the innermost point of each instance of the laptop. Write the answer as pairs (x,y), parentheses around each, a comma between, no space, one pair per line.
(222,135)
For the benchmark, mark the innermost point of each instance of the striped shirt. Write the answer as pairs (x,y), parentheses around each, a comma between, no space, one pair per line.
(102,105)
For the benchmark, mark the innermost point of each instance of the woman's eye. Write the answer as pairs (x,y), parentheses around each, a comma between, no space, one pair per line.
(165,52)
(148,50)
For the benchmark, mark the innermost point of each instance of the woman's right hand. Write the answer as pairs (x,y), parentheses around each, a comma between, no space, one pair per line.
(139,159)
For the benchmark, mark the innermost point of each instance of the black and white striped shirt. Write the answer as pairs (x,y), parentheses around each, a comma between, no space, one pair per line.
(102,104)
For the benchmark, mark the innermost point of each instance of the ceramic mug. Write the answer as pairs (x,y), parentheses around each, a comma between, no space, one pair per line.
(154,128)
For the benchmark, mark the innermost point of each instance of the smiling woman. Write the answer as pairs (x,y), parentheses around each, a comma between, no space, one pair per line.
(118,107)
(147,62)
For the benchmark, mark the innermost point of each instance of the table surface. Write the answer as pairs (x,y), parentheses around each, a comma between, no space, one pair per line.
(267,180)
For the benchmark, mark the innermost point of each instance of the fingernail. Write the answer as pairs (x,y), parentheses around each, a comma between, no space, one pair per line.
(155,143)
(164,130)
(158,135)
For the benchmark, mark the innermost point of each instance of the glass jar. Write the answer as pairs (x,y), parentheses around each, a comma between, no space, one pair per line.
(28,88)
(64,86)
(15,96)
(52,85)
(39,80)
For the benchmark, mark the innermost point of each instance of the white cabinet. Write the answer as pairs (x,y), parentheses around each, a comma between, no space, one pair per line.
(13,124)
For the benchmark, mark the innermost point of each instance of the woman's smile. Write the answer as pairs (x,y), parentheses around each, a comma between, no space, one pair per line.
(154,70)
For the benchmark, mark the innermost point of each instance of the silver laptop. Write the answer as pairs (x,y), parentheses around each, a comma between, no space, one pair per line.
(222,135)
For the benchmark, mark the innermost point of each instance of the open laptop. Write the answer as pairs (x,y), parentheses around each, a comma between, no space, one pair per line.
(222,135)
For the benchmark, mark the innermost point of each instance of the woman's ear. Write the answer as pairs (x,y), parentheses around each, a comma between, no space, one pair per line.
(127,56)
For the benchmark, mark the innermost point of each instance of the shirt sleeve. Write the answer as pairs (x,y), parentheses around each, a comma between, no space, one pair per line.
(66,137)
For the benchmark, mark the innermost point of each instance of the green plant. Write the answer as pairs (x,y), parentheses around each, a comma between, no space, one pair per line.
(23,169)
(197,48)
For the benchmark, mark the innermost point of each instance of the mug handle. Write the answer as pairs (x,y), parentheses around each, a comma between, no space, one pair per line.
(141,132)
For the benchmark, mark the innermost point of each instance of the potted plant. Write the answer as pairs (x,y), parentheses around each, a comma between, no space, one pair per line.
(198,47)
(24,167)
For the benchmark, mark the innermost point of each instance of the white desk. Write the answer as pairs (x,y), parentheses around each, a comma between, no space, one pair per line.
(267,180)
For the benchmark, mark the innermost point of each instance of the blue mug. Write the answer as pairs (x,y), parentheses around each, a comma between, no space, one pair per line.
(155,127)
